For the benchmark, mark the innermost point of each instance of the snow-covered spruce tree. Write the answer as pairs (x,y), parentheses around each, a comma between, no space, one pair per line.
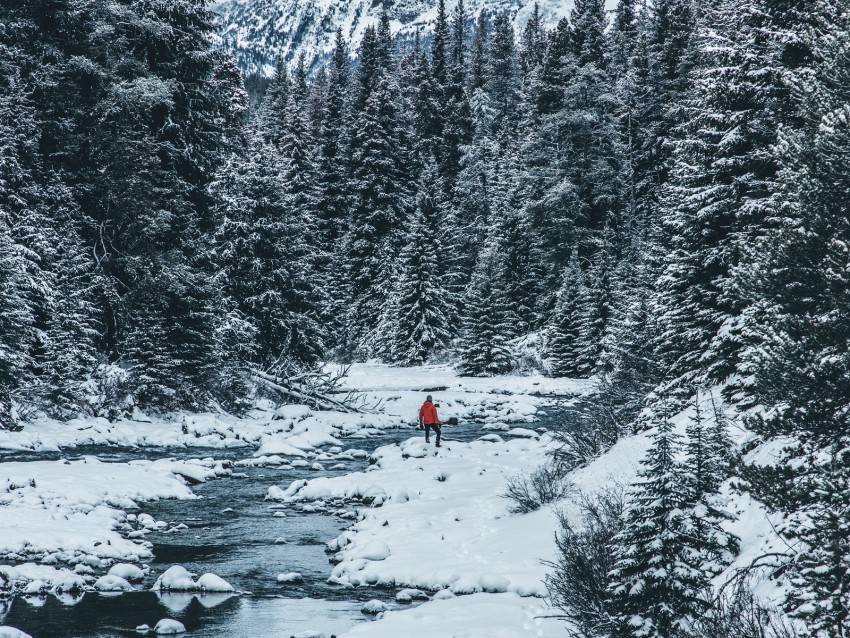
(719,199)
(532,43)
(266,261)
(800,362)
(799,359)
(503,78)
(68,354)
(820,595)
(380,199)
(563,330)
(419,327)
(473,191)
(704,469)
(15,321)
(457,126)
(484,346)
(657,587)
(628,367)
(595,307)
(588,22)
(272,117)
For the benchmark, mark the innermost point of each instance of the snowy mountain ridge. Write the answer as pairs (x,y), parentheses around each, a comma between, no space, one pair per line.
(258,32)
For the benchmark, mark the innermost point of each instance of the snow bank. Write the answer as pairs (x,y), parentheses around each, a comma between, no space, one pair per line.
(295,431)
(72,513)
(11,632)
(441,522)
(475,616)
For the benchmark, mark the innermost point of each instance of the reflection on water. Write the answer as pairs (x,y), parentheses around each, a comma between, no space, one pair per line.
(208,616)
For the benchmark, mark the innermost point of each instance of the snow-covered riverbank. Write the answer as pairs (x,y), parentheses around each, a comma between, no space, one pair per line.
(66,522)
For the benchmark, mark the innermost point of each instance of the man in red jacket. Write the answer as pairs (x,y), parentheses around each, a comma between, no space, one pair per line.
(428,417)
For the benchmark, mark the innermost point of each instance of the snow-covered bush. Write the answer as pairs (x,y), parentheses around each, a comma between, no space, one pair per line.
(585,432)
(737,613)
(530,491)
(579,580)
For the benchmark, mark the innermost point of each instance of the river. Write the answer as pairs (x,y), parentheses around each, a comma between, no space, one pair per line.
(233,532)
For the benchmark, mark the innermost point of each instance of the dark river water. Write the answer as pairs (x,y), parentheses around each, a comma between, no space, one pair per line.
(238,545)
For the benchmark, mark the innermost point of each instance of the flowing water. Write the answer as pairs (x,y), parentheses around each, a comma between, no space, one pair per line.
(233,532)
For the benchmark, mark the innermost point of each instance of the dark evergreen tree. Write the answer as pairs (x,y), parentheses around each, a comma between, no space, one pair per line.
(272,118)
(503,77)
(380,200)
(562,344)
(267,262)
(703,471)
(440,48)
(657,590)
(721,192)
(419,314)
(588,32)
(484,343)
(533,43)
(596,307)
(820,595)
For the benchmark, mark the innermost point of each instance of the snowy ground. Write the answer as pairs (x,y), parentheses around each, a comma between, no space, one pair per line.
(65,523)
(497,402)
(430,524)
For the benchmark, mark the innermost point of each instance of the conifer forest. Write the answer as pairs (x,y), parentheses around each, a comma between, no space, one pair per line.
(652,200)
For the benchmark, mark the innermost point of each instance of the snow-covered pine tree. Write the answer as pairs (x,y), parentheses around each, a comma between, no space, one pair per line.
(800,359)
(657,588)
(440,49)
(419,327)
(267,261)
(457,126)
(16,336)
(473,191)
(68,355)
(332,149)
(595,305)
(380,199)
(704,469)
(719,199)
(820,595)
(562,340)
(532,43)
(484,346)
(272,117)
(588,22)
(503,78)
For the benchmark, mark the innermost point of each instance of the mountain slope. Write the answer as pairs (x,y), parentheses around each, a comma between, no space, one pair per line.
(257,32)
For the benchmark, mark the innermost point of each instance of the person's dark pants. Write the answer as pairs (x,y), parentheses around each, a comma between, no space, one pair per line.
(436,427)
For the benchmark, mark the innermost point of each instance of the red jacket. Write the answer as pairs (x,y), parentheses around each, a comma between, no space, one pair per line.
(428,414)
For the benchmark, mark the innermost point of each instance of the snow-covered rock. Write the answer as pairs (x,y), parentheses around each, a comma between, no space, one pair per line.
(175,578)
(289,577)
(178,579)
(127,571)
(408,595)
(112,583)
(375,606)
(167,626)
(213,583)
(11,632)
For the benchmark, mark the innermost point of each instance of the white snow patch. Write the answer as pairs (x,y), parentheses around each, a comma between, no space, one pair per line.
(168,626)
